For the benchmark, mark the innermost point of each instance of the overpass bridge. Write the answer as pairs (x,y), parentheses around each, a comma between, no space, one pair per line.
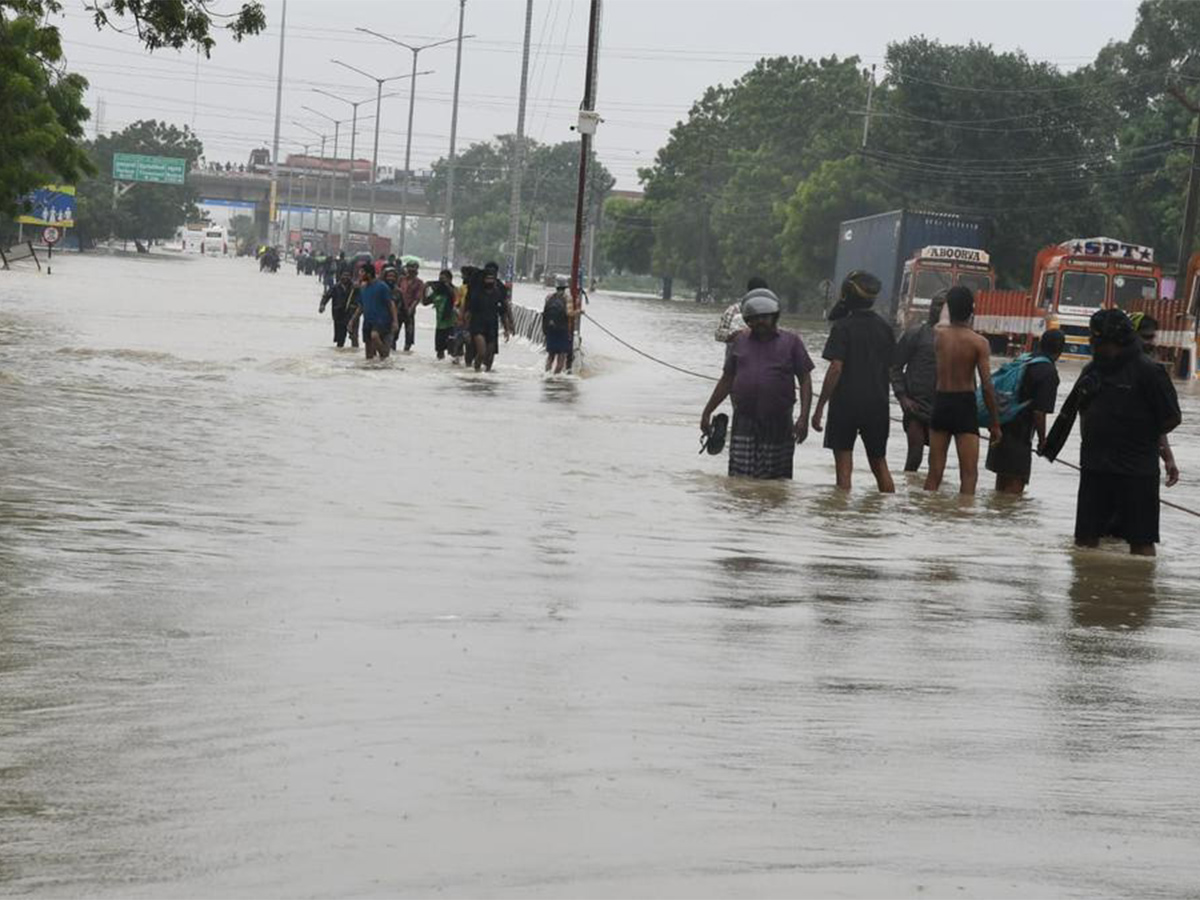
(251,192)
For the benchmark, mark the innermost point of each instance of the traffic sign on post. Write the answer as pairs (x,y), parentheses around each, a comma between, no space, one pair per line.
(149,169)
(50,235)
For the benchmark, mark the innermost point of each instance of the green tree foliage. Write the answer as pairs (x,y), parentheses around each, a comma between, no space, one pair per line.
(756,178)
(627,240)
(42,111)
(243,231)
(482,191)
(146,211)
(41,104)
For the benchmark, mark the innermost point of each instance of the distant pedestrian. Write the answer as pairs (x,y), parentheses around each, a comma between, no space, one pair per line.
(914,381)
(411,291)
(391,278)
(379,321)
(1147,331)
(762,367)
(856,385)
(339,295)
(487,311)
(1012,458)
(556,325)
(732,324)
(443,296)
(961,355)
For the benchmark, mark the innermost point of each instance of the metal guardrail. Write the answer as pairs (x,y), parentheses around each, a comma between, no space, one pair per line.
(527,323)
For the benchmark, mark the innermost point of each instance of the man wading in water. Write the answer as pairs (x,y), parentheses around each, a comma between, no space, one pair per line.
(914,381)
(379,318)
(760,368)
(487,308)
(859,349)
(961,353)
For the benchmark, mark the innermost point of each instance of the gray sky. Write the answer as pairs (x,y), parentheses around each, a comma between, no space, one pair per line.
(657,56)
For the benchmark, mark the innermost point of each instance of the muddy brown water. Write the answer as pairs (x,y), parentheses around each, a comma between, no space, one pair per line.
(276,622)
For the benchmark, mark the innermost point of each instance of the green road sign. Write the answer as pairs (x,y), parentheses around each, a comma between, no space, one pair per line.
(152,169)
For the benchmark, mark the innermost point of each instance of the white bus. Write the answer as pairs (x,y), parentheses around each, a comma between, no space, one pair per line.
(214,242)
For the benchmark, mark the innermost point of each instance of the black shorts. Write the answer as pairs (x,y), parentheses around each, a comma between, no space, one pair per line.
(846,425)
(955,412)
(441,339)
(1014,454)
(1124,505)
(385,331)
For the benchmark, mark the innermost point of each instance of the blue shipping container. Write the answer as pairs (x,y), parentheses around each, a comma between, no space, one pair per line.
(882,243)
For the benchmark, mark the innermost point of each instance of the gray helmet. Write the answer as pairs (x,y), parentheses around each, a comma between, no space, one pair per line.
(562,281)
(760,302)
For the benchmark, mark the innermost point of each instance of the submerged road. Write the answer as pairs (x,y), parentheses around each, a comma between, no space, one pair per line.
(274,622)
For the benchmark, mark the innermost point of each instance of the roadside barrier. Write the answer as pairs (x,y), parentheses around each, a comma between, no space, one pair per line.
(6,259)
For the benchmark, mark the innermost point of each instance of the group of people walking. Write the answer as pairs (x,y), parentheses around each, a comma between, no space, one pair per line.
(469,316)
(940,373)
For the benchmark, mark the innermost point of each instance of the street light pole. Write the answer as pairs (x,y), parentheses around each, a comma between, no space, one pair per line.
(278,109)
(518,161)
(304,193)
(412,98)
(449,210)
(379,82)
(320,172)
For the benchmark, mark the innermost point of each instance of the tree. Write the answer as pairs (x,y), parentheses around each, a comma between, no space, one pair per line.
(243,231)
(838,190)
(41,104)
(627,240)
(482,192)
(147,210)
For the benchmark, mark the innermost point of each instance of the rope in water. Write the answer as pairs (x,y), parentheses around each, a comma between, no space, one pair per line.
(663,362)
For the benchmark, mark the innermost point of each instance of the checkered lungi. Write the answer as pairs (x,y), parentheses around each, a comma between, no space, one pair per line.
(761,449)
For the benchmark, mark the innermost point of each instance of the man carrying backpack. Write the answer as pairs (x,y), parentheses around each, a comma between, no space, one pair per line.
(1035,383)
(556,326)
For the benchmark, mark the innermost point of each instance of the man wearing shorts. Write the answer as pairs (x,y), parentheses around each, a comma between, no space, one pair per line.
(379,320)
(961,354)
(1012,458)
(856,387)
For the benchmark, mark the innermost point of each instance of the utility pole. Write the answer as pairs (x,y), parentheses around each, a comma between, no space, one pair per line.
(337,124)
(870,96)
(449,210)
(1188,231)
(412,99)
(320,172)
(354,104)
(278,111)
(379,83)
(518,162)
(588,121)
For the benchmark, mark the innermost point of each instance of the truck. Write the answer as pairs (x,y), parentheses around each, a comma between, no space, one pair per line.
(883,244)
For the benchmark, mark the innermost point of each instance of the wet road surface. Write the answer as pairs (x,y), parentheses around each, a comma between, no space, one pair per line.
(276,622)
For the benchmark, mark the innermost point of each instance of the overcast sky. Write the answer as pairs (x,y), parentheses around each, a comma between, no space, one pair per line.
(657,56)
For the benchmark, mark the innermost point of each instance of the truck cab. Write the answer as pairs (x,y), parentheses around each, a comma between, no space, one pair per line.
(1073,279)
(938,268)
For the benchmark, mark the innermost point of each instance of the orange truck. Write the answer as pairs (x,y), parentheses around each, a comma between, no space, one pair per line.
(938,268)
(1070,282)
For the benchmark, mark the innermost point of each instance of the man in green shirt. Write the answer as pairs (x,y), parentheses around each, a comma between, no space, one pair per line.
(442,294)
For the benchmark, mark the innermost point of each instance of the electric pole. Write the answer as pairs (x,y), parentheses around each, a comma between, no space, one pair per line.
(271,226)
(518,162)
(449,211)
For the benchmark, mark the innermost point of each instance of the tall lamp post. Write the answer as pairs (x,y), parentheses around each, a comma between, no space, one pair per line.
(307,168)
(379,83)
(447,216)
(412,99)
(354,104)
(275,145)
(337,125)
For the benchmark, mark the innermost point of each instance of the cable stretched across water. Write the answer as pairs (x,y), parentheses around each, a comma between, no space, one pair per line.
(663,362)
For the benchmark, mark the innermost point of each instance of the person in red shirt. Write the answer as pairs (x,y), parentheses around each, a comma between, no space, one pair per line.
(411,291)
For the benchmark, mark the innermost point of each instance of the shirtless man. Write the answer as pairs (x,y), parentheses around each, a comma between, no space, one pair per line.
(961,353)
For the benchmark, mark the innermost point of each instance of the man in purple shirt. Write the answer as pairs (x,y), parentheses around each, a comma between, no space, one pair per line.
(760,370)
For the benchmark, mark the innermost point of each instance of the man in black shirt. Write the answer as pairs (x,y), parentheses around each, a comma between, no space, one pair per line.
(1126,404)
(487,309)
(856,386)
(1012,458)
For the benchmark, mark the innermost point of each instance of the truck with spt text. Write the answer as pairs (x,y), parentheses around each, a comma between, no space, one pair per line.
(888,244)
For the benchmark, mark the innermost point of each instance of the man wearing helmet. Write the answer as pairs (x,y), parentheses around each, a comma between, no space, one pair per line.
(762,366)
(1126,403)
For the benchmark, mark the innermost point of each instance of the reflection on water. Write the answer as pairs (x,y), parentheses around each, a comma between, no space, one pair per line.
(276,621)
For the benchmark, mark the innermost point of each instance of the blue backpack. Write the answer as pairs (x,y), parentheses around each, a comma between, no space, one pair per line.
(1006,382)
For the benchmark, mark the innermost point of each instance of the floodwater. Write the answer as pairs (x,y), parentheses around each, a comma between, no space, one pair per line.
(276,622)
